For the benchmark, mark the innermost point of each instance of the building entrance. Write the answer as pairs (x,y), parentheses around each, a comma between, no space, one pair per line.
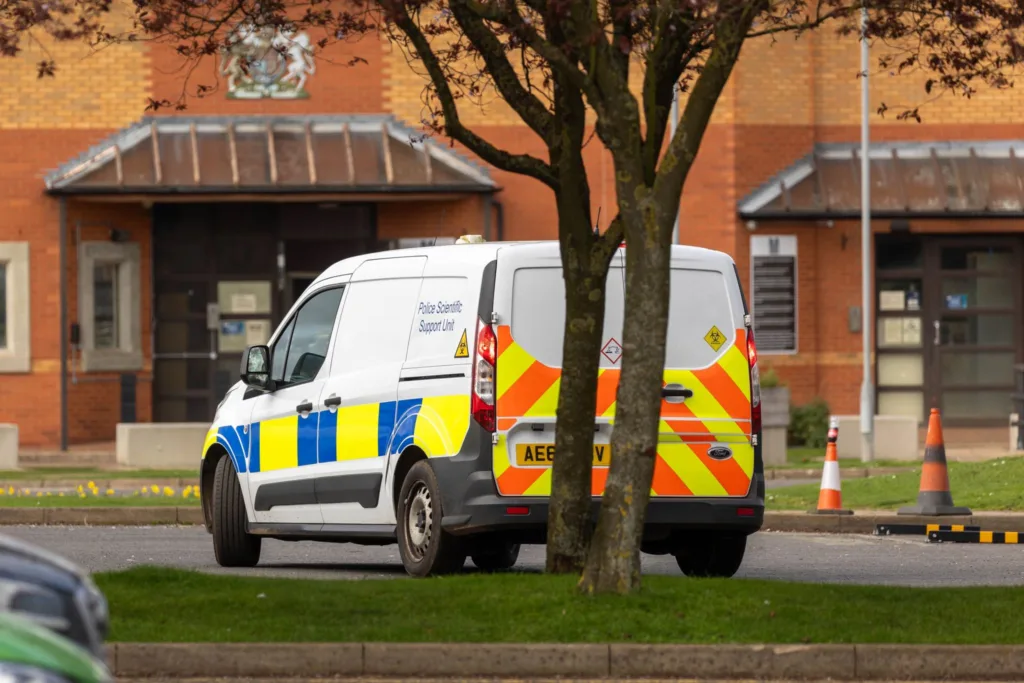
(224,276)
(948,326)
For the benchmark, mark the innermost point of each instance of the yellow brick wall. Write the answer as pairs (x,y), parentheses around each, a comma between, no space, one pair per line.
(774,82)
(837,90)
(405,83)
(104,88)
(814,80)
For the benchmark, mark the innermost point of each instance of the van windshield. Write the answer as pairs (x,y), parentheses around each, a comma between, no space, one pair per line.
(700,326)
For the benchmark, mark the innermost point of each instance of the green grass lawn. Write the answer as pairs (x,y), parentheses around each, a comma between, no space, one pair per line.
(86,474)
(992,485)
(813,457)
(164,605)
(85,496)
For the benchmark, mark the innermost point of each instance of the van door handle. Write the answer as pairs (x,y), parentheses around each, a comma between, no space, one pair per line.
(332,401)
(306,407)
(676,392)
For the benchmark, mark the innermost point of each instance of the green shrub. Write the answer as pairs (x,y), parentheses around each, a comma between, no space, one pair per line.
(769,380)
(808,424)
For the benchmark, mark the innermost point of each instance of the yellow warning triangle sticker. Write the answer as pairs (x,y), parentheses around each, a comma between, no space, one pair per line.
(714,338)
(462,350)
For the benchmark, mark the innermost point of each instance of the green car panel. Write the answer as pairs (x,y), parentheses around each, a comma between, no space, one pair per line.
(25,643)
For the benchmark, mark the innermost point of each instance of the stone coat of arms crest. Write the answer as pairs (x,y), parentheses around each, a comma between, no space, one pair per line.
(267,62)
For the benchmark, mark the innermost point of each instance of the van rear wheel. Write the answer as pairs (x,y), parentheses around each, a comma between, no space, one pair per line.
(233,546)
(426,549)
(711,556)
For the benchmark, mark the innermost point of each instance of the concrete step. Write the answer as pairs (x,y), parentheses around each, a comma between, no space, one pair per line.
(77,457)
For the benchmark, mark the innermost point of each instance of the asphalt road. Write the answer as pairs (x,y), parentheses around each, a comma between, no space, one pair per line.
(817,558)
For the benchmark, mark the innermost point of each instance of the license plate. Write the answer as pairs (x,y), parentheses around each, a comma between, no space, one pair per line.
(543,454)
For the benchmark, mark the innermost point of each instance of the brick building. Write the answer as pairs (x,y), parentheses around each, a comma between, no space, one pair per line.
(139,252)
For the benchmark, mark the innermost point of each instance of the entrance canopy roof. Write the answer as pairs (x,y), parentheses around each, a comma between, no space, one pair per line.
(280,154)
(908,180)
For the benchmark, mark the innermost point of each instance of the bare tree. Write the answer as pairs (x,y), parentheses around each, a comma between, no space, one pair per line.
(551,61)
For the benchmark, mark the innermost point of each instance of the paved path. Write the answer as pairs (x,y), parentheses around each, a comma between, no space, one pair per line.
(818,558)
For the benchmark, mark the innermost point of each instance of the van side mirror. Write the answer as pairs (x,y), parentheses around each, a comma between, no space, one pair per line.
(255,370)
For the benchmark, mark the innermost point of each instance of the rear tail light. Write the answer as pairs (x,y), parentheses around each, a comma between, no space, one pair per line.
(485,362)
(755,386)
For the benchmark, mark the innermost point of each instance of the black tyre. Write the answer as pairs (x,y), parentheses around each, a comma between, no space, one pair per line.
(232,545)
(712,556)
(502,558)
(425,548)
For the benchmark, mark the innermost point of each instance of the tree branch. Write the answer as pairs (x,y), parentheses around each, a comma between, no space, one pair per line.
(668,58)
(530,109)
(523,164)
(809,25)
(512,19)
(730,33)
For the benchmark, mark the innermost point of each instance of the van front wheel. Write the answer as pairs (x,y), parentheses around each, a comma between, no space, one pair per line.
(425,548)
(708,556)
(233,546)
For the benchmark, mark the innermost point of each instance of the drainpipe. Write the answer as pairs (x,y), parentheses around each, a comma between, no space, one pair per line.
(499,223)
(488,202)
(63,324)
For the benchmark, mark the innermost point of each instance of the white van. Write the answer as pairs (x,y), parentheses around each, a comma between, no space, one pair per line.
(409,396)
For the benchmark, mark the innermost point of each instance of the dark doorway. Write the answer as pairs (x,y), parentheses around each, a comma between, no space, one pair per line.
(948,327)
(224,275)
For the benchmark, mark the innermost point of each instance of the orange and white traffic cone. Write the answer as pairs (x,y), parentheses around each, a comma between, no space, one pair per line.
(934,497)
(830,500)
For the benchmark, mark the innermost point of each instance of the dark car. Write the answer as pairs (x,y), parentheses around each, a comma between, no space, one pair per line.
(53,592)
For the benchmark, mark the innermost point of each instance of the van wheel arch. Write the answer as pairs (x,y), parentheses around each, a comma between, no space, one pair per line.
(410,456)
(206,477)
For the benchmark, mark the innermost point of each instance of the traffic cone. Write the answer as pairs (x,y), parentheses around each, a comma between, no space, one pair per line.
(830,500)
(934,497)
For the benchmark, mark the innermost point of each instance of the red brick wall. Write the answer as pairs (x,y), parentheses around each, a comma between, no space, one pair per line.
(32,400)
(94,402)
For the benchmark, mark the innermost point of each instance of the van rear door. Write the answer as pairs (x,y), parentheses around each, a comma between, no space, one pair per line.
(705,447)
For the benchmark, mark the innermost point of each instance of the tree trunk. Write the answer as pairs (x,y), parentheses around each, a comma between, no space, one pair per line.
(613,563)
(585,271)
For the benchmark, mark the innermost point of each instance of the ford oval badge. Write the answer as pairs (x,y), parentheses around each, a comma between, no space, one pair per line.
(720,452)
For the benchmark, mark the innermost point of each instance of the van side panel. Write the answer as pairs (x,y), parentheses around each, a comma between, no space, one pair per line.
(437,370)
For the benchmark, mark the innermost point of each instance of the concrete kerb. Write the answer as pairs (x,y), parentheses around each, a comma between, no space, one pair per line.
(785,474)
(521,660)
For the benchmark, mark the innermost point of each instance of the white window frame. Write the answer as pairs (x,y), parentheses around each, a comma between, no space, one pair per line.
(16,356)
(128,354)
(761,245)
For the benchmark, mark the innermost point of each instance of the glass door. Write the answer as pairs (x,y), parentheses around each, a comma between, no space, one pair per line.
(900,300)
(973,328)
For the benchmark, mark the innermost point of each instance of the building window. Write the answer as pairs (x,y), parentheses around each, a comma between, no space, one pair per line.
(110,307)
(14,307)
(104,313)
(773,284)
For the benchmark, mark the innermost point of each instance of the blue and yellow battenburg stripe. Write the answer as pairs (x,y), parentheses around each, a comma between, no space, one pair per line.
(436,424)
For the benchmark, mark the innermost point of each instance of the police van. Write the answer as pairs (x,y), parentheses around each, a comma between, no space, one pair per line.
(409,397)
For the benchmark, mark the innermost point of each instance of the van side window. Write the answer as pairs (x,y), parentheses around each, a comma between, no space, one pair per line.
(310,336)
(280,352)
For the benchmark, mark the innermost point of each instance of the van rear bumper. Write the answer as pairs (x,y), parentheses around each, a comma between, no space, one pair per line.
(480,511)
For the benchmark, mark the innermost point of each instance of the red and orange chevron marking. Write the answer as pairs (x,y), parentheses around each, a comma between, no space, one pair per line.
(718,412)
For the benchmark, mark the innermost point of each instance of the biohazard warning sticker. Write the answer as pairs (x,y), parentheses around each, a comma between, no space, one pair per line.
(612,350)
(714,338)
(462,350)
